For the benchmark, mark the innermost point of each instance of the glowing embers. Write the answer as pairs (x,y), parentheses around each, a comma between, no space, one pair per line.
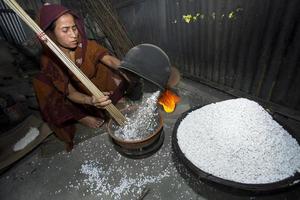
(169,100)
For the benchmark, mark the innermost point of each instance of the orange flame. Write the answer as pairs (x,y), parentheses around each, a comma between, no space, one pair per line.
(169,100)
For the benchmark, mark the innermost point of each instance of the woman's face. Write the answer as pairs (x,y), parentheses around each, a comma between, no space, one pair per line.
(66,31)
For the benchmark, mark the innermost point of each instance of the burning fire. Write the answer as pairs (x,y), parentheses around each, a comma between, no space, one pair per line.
(169,100)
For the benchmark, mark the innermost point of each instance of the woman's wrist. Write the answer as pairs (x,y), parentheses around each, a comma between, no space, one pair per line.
(87,100)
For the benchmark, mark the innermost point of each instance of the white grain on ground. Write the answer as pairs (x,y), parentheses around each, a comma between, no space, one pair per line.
(238,140)
(99,183)
(28,138)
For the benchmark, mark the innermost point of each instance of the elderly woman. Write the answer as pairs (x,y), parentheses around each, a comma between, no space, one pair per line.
(62,98)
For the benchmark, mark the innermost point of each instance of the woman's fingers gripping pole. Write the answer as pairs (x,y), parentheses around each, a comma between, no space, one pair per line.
(101,102)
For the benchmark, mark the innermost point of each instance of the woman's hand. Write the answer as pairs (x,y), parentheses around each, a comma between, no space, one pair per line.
(100,102)
(81,98)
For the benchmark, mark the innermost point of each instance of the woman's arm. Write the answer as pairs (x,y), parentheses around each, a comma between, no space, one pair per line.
(81,98)
(134,90)
(114,63)
(111,61)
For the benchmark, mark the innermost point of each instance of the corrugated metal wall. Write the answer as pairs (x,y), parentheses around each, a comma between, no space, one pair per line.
(11,28)
(244,47)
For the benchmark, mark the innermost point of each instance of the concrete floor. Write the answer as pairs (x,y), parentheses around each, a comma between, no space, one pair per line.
(50,173)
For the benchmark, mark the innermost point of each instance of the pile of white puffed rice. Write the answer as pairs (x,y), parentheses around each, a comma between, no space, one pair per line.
(239,141)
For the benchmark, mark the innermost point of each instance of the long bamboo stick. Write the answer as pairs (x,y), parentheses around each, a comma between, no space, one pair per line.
(113,111)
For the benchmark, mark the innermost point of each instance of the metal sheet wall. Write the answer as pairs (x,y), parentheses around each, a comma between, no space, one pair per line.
(246,47)
(10,25)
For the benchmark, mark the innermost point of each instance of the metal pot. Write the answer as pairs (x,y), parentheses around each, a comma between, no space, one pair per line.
(149,62)
(135,144)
